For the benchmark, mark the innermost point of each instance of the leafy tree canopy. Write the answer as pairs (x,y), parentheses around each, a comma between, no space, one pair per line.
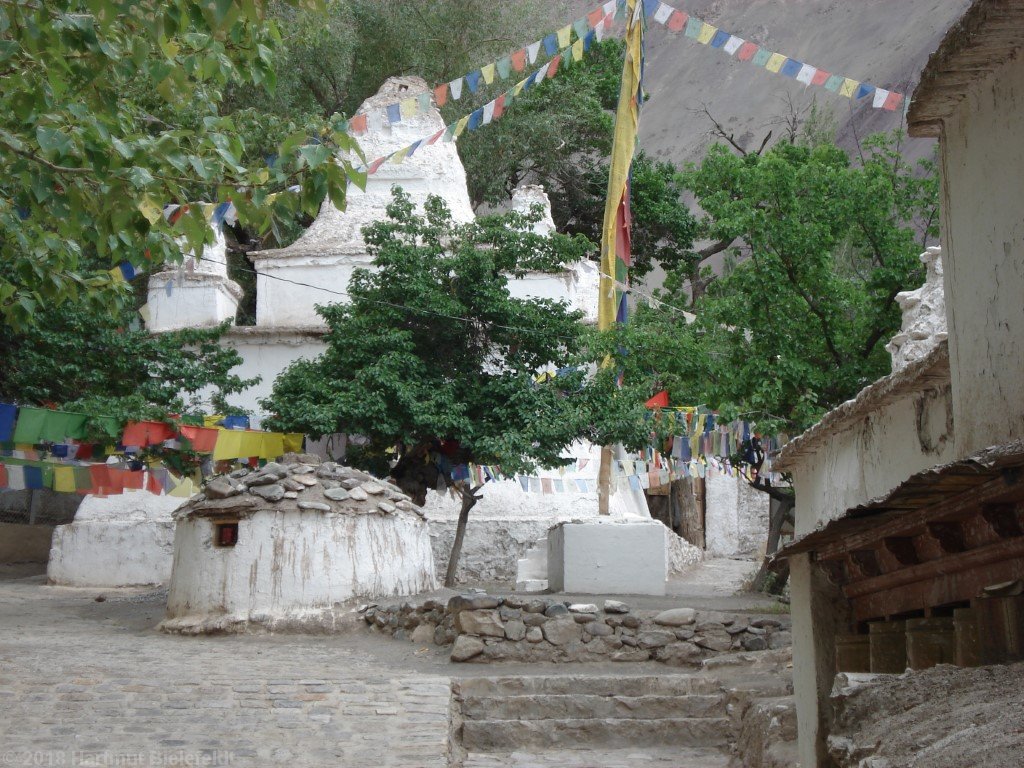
(111,109)
(819,247)
(434,347)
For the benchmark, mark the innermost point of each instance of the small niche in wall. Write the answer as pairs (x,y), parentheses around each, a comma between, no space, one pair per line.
(225,534)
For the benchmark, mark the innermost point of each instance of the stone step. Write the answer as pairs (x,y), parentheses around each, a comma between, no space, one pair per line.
(610,685)
(582,706)
(644,757)
(497,735)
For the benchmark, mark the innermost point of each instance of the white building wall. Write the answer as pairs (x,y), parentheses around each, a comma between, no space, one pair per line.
(983,230)
(872,458)
(294,565)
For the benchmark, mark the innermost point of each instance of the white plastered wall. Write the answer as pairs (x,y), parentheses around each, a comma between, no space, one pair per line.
(983,229)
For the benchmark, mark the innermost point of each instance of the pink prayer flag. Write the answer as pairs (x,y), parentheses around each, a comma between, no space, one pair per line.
(595,17)
(441,94)
(746,51)
(499,106)
(519,60)
(892,101)
(820,77)
(677,21)
(435,137)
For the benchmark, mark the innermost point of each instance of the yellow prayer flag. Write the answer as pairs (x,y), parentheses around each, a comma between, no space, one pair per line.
(293,441)
(250,445)
(229,445)
(848,88)
(407,107)
(64,479)
(577,50)
(399,156)
(272,445)
(706,33)
(518,87)
(488,73)
(211,421)
(461,126)
(564,35)
(150,210)
(183,490)
(775,62)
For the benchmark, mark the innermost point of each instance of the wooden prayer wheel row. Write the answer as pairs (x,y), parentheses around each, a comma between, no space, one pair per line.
(991,632)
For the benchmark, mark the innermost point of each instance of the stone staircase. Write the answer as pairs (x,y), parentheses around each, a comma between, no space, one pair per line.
(554,715)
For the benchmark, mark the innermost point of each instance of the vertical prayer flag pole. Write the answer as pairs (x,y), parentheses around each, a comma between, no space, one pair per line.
(615,234)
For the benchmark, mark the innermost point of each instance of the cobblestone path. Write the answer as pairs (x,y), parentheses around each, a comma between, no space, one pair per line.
(88,684)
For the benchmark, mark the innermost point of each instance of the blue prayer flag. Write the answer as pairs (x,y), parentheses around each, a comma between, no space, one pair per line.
(551,44)
(650,6)
(791,68)
(864,90)
(475,119)
(8,415)
(473,80)
(127,270)
(394,113)
(33,477)
(720,39)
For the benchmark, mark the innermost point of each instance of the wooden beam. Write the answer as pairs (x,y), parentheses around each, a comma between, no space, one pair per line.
(902,549)
(909,522)
(949,535)
(937,569)
(1003,519)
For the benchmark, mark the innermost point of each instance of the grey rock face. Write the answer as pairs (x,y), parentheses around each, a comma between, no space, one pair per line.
(654,639)
(314,506)
(582,608)
(484,623)
(561,631)
(336,494)
(676,617)
(466,648)
(358,494)
(268,492)
(219,488)
(614,606)
(515,630)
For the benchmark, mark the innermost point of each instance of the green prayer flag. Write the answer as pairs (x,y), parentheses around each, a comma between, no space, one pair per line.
(581,27)
(30,425)
(504,67)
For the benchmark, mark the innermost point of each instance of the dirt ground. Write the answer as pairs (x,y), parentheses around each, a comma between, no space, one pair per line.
(945,717)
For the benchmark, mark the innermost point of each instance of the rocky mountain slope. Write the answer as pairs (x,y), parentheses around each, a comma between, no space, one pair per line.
(884,42)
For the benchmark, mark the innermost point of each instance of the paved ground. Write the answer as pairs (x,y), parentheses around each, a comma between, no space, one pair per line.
(675,757)
(91,683)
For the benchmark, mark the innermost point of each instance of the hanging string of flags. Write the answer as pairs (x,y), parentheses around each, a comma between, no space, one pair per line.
(45,448)
(588,29)
(678,21)
(489,112)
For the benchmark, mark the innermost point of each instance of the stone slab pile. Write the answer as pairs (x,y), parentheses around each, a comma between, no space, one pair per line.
(487,628)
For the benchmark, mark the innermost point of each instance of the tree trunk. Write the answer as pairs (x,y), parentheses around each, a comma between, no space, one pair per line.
(690,526)
(780,508)
(469,500)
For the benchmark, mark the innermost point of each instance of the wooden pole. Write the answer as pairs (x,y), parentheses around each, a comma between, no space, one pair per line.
(604,481)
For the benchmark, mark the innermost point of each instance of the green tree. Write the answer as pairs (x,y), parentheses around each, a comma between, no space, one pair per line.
(111,109)
(433,354)
(818,248)
(108,365)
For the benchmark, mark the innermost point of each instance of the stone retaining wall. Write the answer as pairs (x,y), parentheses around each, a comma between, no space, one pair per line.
(486,628)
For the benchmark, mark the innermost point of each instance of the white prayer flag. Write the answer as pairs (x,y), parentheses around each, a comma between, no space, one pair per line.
(531,51)
(806,74)
(488,113)
(455,88)
(880,96)
(732,44)
(664,11)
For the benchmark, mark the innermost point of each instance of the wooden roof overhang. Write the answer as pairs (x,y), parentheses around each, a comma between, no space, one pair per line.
(985,37)
(937,540)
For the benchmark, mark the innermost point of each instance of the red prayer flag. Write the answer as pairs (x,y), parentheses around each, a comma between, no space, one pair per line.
(519,60)
(746,51)
(134,434)
(441,94)
(433,139)
(595,17)
(677,21)
(3,476)
(203,439)
(358,124)
(376,164)
(820,77)
(892,101)
(153,484)
(100,476)
(660,400)
(129,479)
(553,66)
(499,106)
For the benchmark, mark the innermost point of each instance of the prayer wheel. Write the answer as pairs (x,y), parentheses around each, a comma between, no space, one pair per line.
(930,641)
(853,653)
(965,627)
(888,643)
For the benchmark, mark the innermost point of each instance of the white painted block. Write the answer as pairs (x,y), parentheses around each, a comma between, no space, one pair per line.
(608,558)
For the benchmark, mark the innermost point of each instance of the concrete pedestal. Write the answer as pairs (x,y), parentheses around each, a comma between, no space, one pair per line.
(622,557)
